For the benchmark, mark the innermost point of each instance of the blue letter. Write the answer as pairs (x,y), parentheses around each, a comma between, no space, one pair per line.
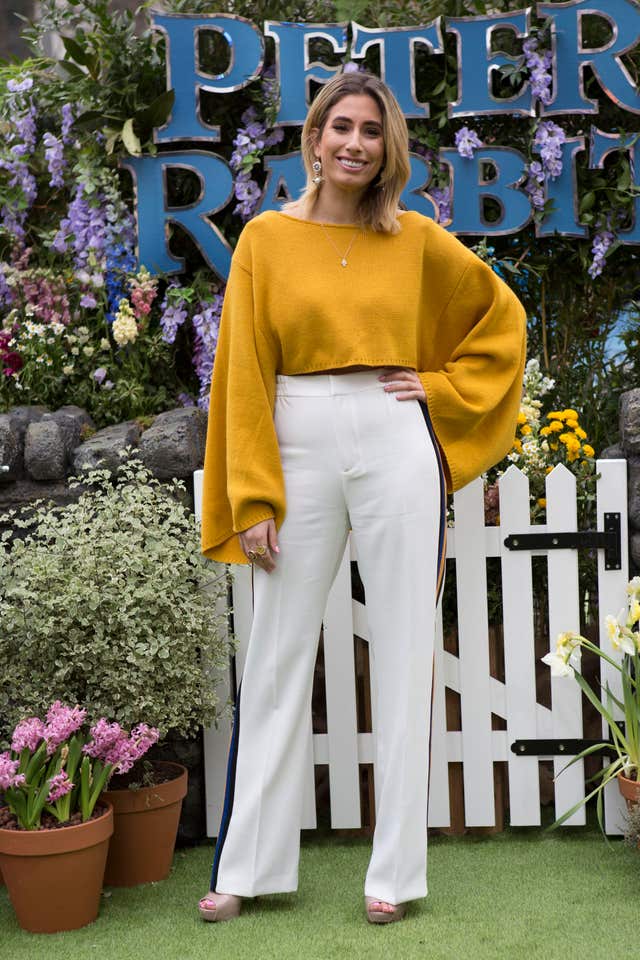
(293,69)
(571,58)
(246,56)
(563,219)
(414,195)
(602,144)
(469,190)
(397,59)
(477,64)
(154,214)
(285,171)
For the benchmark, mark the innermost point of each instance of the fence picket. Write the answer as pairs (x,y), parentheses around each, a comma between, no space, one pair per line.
(473,645)
(611,597)
(519,666)
(564,614)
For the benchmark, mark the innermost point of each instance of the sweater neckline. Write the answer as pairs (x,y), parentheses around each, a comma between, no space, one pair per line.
(315,223)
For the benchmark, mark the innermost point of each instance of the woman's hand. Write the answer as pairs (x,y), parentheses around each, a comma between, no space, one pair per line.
(263,534)
(404,383)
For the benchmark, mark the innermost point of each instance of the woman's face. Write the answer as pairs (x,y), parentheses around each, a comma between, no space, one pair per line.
(351,146)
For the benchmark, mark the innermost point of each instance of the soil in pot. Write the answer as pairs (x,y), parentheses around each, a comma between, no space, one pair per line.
(145,827)
(54,876)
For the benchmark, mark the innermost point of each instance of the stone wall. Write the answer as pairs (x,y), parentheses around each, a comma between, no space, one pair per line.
(41,448)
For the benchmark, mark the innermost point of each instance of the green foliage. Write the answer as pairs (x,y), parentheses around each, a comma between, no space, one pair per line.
(108,603)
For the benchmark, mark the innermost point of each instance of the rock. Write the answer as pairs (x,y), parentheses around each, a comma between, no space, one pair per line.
(45,457)
(104,450)
(173,446)
(69,428)
(10,450)
(79,414)
(22,416)
(612,453)
(630,422)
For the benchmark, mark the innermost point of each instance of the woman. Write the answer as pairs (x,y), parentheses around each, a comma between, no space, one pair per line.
(367,361)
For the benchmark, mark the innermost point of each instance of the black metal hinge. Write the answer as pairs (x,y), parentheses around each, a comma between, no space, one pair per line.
(608,540)
(562,747)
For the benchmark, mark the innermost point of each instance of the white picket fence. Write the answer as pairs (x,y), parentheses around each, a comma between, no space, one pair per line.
(476,746)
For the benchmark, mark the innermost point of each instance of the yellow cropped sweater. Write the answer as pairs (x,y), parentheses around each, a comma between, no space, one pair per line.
(418,299)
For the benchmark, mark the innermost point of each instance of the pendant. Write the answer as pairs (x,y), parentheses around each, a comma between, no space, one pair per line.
(343,262)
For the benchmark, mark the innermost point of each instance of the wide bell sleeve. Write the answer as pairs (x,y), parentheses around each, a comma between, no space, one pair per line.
(243,481)
(474,397)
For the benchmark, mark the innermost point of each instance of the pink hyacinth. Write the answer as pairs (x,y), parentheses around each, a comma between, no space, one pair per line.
(59,786)
(28,734)
(129,750)
(62,723)
(9,776)
(105,736)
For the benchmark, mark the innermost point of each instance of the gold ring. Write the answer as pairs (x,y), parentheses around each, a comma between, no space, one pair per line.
(251,555)
(261,549)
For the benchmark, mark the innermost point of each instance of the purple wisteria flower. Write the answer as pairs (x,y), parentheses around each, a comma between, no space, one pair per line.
(59,786)
(206,324)
(6,293)
(28,733)
(601,243)
(21,140)
(67,123)
(20,86)
(442,197)
(9,776)
(62,723)
(174,313)
(539,66)
(54,156)
(467,141)
(535,185)
(548,141)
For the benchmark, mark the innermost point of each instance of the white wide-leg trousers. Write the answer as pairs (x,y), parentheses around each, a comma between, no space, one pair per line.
(353,457)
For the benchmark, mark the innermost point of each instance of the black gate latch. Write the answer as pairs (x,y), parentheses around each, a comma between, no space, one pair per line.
(608,540)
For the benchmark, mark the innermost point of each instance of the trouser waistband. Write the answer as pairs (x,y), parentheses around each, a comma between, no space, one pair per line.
(328,384)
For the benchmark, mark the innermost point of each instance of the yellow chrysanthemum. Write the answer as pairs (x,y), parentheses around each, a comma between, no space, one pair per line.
(525,430)
(554,446)
(522,417)
(579,432)
(555,415)
(517,445)
(588,451)
(549,469)
(545,431)
(572,424)
(542,501)
(556,426)
(570,414)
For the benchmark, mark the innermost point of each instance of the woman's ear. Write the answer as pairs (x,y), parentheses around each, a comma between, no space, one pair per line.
(313,138)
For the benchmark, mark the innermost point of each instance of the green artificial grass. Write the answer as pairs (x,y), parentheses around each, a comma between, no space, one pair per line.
(520,894)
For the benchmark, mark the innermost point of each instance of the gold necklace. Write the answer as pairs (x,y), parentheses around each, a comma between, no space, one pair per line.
(343,256)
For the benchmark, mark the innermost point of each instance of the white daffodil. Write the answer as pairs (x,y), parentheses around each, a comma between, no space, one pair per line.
(567,643)
(633,587)
(558,664)
(620,638)
(634,611)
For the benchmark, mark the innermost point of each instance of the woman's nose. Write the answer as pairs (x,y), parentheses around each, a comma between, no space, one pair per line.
(354,141)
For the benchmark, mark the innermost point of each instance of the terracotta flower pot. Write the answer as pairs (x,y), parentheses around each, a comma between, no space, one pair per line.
(145,829)
(54,877)
(630,789)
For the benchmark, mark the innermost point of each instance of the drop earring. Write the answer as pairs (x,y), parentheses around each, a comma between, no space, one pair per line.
(317,169)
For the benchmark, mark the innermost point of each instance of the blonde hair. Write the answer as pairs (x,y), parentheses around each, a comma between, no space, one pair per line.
(379,206)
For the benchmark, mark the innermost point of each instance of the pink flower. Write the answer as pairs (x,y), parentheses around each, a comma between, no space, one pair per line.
(62,723)
(9,776)
(129,750)
(28,734)
(59,785)
(105,736)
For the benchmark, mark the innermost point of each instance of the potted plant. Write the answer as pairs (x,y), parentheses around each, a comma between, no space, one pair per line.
(625,735)
(55,824)
(109,603)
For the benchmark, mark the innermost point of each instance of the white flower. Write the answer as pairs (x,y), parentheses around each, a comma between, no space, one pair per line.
(75,351)
(88,351)
(104,344)
(68,370)
(620,637)
(125,328)
(633,587)
(558,664)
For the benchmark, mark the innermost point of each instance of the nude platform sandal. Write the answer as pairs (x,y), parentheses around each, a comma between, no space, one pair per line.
(216,907)
(383,916)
